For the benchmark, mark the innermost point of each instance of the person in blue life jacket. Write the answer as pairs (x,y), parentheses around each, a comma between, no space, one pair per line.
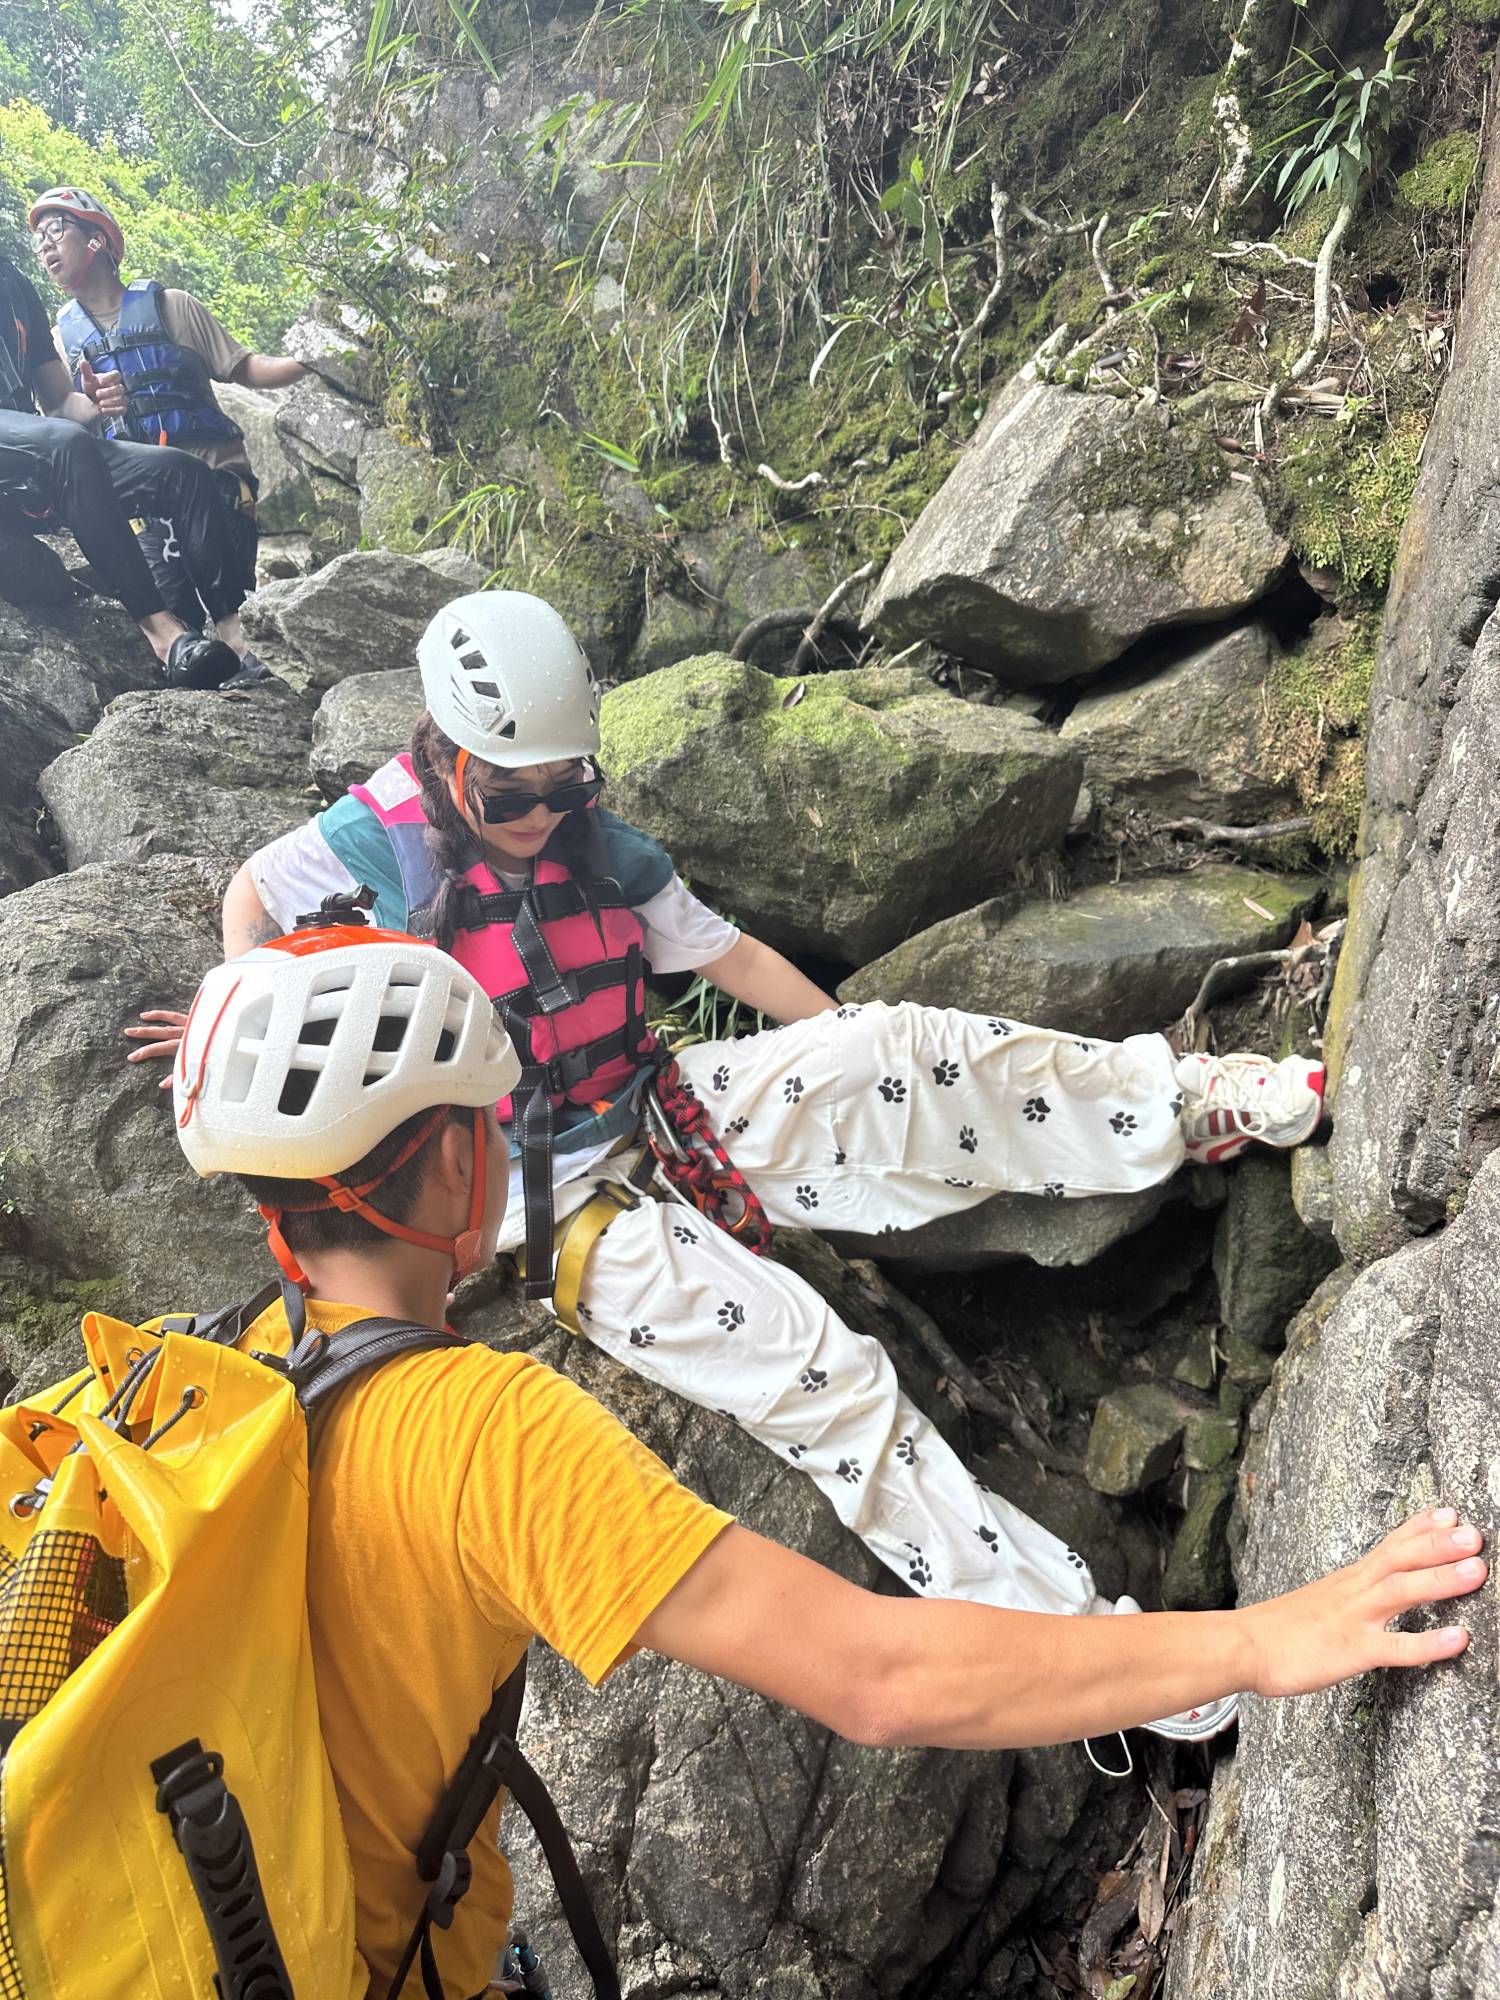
(156,352)
(490,835)
(57,473)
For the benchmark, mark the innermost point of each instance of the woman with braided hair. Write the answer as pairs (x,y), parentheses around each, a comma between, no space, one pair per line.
(489,835)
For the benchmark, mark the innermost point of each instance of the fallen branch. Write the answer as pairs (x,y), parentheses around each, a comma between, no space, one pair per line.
(1238,252)
(791,485)
(1235,835)
(1054,228)
(808,646)
(1096,251)
(1225,975)
(1000,218)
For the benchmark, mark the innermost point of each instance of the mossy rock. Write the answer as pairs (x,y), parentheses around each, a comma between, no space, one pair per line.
(1198,1576)
(1071,527)
(1134,1439)
(401,494)
(1444,175)
(1266,1261)
(1113,960)
(835,813)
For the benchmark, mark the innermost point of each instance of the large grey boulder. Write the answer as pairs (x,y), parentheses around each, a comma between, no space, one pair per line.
(1347,1849)
(365,612)
(182,773)
(58,668)
(1112,960)
(322,431)
(1187,740)
(812,1891)
(1009,1227)
(833,814)
(359,724)
(95,1186)
(285,497)
(1072,526)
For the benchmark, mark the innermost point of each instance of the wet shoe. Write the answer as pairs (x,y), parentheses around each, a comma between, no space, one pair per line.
(197,662)
(1231,1102)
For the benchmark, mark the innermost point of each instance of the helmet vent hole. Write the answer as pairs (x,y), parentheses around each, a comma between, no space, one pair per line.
(472,662)
(459,639)
(297,1092)
(487,688)
(447,1046)
(507,729)
(318,1033)
(390,1032)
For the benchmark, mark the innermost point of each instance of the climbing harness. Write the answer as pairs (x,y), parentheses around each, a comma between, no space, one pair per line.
(692,1158)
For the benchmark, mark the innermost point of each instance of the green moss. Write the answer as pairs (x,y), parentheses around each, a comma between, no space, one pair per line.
(1443,176)
(651,719)
(1347,490)
(1317,704)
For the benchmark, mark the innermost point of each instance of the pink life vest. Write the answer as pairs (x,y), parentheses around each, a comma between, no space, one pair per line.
(564,968)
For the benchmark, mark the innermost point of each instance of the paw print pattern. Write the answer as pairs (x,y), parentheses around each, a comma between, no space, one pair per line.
(945,1074)
(731,1416)
(906,1450)
(1084,1047)
(839,1157)
(1054,1190)
(807,1197)
(683,1234)
(999,1027)
(1076,1560)
(1122,1122)
(795,1451)
(955,1180)
(988,1536)
(893,1089)
(721,1077)
(793,1088)
(850,1471)
(1177,1103)
(737,1125)
(918,1571)
(847,1013)
(1036,1110)
(813,1379)
(642,1336)
(967,1140)
(730,1314)
(583,1311)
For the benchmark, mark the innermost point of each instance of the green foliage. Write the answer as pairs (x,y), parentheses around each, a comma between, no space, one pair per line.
(1328,149)
(229,257)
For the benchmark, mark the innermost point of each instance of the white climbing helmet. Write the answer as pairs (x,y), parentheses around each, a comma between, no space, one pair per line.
(300,1056)
(505,679)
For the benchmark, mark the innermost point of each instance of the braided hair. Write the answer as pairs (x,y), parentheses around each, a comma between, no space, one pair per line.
(456,847)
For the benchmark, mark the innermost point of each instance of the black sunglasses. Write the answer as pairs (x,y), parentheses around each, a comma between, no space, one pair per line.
(500,807)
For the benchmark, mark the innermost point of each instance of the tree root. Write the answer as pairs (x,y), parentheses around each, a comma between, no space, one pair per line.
(791,485)
(1235,836)
(807,649)
(1322,310)
(802,616)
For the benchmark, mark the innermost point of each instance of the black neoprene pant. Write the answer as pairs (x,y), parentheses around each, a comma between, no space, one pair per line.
(161,545)
(94,488)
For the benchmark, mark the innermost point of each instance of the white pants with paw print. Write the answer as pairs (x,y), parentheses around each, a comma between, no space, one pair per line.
(868,1119)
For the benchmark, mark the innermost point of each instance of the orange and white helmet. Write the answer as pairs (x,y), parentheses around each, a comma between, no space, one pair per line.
(84,208)
(504,679)
(300,1056)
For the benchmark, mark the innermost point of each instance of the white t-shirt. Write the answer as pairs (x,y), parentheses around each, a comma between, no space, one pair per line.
(294,873)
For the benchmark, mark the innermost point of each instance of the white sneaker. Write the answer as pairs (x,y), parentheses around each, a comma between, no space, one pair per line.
(1230,1101)
(1193,1725)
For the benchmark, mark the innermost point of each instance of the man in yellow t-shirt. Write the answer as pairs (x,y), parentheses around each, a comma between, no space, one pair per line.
(154,353)
(463,1500)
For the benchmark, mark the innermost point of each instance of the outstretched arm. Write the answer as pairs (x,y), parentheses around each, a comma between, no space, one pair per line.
(267,371)
(762,978)
(964,1676)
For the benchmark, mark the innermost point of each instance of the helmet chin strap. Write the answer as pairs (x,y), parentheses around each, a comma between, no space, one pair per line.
(463,1248)
(95,245)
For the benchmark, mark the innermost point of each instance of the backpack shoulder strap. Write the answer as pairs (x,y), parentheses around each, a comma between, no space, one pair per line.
(322,1365)
(493,1762)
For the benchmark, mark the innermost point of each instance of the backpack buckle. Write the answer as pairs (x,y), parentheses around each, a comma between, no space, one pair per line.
(455,1872)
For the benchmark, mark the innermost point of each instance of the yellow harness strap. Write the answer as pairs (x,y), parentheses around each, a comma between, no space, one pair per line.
(574,1239)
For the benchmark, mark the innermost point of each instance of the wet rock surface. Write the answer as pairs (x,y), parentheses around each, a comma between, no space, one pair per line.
(360,723)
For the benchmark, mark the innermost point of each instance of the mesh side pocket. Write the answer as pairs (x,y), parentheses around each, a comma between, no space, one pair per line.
(59,1601)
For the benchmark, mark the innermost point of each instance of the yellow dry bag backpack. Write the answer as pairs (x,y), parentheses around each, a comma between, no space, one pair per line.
(169,1828)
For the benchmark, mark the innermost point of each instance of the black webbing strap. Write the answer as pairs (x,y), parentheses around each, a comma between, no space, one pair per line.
(474,908)
(491,1763)
(209,1828)
(580,985)
(532,1114)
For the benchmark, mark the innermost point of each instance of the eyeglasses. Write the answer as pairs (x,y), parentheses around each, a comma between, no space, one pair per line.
(500,807)
(49,230)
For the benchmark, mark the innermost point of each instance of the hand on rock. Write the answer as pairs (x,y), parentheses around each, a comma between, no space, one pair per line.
(160,1038)
(1338,1627)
